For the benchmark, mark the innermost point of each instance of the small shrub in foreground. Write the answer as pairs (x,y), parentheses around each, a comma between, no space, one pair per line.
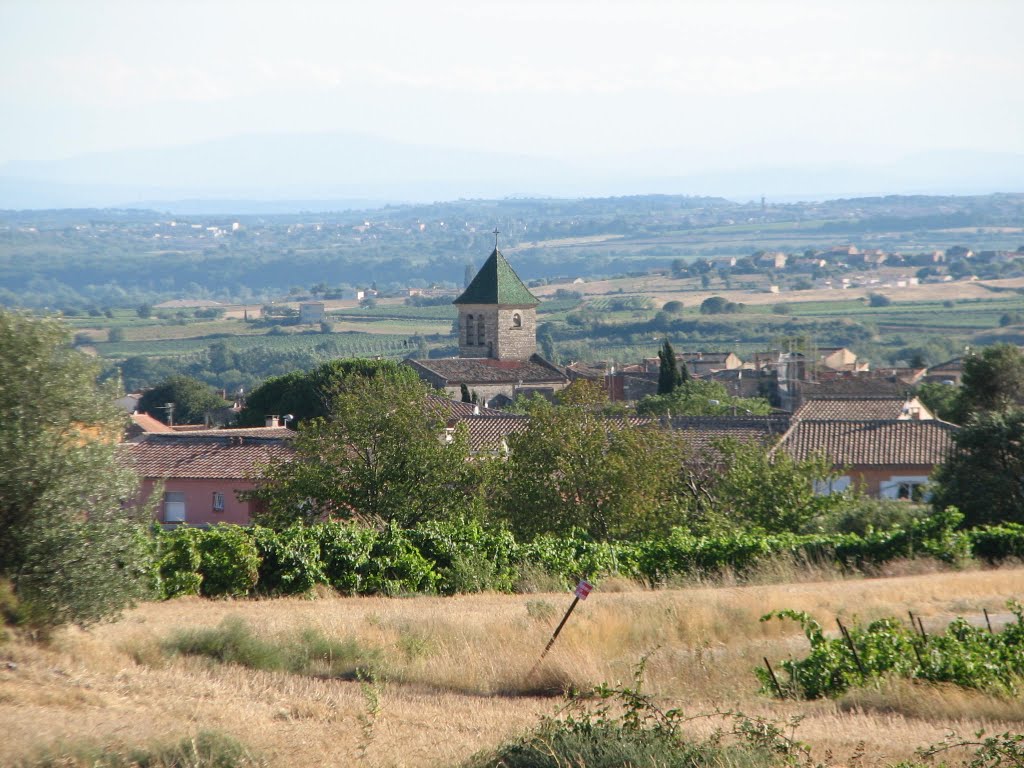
(627,728)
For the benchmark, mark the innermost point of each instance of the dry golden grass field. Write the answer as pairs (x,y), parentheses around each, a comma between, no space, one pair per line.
(453,671)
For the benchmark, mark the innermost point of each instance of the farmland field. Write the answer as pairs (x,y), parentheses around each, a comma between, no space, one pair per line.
(354,344)
(451,673)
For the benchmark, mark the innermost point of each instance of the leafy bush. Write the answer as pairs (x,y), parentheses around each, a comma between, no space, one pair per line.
(879,300)
(454,557)
(994,543)
(289,560)
(396,567)
(229,563)
(177,563)
(345,550)
(468,557)
(68,546)
(864,516)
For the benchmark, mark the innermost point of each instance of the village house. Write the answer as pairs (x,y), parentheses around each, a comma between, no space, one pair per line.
(884,458)
(772,260)
(951,371)
(840,359)
(862,409)
(201,473)
(700,363)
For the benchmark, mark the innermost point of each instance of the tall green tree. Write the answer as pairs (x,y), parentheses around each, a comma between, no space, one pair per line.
(193,401)
(768,492)
(72,553)
(307,394)
(382,453)
(669,376)
(941,399)
(982,477)
(575,468)
(992,380)
(697,397)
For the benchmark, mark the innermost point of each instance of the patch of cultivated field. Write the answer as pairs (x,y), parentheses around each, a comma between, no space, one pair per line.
(452,672)
(662,289)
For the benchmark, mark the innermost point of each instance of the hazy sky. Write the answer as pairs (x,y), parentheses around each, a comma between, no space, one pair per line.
(721,83)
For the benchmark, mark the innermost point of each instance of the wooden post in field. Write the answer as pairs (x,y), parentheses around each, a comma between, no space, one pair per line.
(775,680)
(853,648)
(582,590)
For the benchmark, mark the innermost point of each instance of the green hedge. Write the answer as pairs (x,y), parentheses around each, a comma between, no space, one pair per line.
(451,558)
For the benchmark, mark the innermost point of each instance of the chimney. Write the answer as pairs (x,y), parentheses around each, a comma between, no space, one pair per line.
(271,420)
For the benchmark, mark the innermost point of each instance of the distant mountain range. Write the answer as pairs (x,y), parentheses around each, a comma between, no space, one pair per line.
(288,173)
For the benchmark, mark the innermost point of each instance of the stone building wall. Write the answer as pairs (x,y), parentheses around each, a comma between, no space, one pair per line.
(516,341)
(502,339)
(470,347)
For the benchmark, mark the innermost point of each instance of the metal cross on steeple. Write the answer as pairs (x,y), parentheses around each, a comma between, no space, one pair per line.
(496,233)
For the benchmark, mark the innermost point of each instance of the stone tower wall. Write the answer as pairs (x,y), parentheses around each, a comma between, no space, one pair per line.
(502,339)
(516,342)
(471,347)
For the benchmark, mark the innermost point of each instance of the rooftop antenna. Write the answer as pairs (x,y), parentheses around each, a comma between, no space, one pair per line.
(496,233)
(169,407)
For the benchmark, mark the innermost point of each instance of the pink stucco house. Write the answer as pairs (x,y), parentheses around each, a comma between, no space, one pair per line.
(202,472)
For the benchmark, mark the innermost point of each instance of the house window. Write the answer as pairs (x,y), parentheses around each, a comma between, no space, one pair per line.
(517,320)
(910,491)
(906,487)
(469,330)
(480,330)
(835,485)
(218,501)
(174,507)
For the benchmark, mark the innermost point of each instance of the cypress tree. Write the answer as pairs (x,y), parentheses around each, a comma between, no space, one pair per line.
(669,377)
(464,390)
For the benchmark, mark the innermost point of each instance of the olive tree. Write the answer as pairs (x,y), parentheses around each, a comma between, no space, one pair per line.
(68,546)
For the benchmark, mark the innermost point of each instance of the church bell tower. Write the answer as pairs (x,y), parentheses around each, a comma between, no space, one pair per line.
(497,313)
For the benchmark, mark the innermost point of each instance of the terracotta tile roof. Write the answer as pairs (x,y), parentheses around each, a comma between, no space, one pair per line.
(881,442)
(855,386)
(704,431)
(204,455)
(487,433)
(271,433)
(485,370)
(456,409)
(586,371)
(854,408)
(703,357)
(956,364)
(148,423)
